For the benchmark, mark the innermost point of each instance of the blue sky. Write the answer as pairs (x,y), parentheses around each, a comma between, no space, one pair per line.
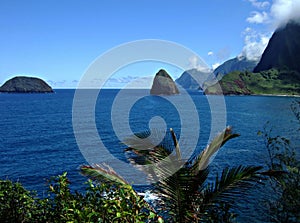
(57,40)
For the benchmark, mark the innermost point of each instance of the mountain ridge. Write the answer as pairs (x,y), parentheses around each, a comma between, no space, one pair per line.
(235,64)
(187,78)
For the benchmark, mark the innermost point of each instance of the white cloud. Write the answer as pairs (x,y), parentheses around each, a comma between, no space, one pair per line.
(210,53)
(125,79)
(284,10)
(62,83)
(196,63)
(259,5)
(119,82)
(258,17)
(141,83)
(255,44)
(129,82)
(248,29)
(277,14)
(215,66)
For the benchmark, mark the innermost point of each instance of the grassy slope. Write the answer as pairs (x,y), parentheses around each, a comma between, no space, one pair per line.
(272,82)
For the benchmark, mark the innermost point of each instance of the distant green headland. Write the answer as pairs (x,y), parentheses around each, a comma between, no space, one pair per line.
(272,82)
(276,73)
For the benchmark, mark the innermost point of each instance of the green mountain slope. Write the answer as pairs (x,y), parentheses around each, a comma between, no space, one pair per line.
(273,81)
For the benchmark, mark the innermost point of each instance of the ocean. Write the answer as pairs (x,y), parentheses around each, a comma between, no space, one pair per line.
(37,140)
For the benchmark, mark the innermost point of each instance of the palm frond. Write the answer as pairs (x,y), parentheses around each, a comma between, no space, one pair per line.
(147,140)
(233,182)
(102,173)
(274,173)
(181,185)
(158,162)
(204,158)
(149,156)
(180,190)
(143,151)
(176,144)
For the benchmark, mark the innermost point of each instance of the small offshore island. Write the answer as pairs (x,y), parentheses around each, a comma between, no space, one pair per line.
(22,84)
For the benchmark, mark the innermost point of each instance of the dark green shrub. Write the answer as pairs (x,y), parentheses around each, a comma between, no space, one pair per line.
(100,203)
(16,203)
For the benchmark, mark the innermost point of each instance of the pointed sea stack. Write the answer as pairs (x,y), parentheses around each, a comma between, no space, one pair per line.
(163,84)
(25,85)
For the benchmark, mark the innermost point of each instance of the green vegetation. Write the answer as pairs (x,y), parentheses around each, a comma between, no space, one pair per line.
(272,82)
(284,205)
(16,203)
(100,203)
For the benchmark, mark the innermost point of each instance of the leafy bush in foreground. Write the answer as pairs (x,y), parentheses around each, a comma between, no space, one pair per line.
(100,203)
(16,203)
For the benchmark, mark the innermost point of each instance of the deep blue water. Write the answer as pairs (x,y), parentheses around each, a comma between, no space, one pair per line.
(37,139)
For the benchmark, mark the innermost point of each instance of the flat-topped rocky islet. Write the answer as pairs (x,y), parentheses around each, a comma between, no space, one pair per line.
(22,84)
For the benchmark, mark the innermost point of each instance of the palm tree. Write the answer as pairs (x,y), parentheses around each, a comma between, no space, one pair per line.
(181,185)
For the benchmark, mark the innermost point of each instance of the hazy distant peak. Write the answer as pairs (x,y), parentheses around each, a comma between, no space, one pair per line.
(239,63)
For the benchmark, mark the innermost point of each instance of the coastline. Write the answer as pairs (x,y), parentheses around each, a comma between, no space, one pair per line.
(268,95)
(277,95)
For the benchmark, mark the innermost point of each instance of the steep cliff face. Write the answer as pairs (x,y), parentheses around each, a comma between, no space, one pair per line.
(283,50)
(25,85)
(163,84)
